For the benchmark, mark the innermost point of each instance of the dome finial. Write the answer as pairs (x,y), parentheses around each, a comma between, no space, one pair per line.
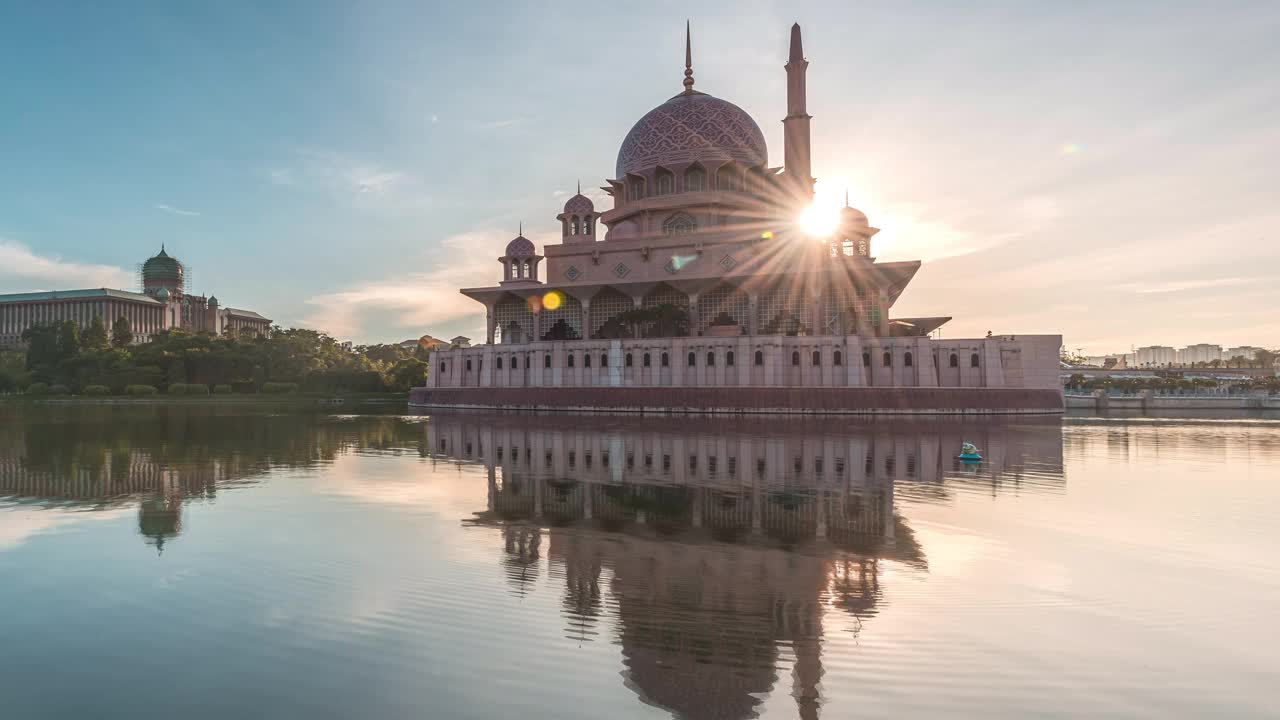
(688,60)
(846,197)
(521,231)
(579,187)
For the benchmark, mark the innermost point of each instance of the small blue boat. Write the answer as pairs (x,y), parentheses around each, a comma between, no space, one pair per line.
(969,453)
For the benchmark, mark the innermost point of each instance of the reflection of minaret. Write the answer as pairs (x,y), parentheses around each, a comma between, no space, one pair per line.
(521,559)
(580,561)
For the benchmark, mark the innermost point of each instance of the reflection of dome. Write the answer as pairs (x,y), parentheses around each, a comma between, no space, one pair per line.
(159,518)
(161,267)
(579,204)
(692,126)
(521,246)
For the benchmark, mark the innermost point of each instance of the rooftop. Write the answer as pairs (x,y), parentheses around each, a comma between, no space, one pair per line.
(86,294)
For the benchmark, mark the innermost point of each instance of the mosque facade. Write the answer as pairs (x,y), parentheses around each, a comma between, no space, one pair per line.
(164,304)
(699,290)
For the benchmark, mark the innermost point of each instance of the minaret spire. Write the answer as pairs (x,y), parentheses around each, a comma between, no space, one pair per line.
(796,149)
(579,187)
(688,60)
(521,231)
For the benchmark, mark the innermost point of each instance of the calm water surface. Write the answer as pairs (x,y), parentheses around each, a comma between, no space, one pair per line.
(223,562)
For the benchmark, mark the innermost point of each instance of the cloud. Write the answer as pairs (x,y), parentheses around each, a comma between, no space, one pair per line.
(23,270)
(364,183)
(23,523)
(503,123)
(177,211)
(1180,286)
(415,301)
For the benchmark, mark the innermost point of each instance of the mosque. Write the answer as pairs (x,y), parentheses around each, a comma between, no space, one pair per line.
(700,290)
(163,304)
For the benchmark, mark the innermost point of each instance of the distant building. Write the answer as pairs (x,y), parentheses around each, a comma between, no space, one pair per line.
(1156,356)
(1199,353)
(1248,352)
(426,342)
(162,305)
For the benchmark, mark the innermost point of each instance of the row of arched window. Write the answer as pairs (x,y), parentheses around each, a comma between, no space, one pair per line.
(837,359)
(729,178)
(574,225)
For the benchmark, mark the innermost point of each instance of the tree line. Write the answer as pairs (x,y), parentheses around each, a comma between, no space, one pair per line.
(65,358)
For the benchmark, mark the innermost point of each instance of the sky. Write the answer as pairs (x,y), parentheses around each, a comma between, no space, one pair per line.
(1109,171)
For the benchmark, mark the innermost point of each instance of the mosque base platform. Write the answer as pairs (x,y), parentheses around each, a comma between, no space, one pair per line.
(747,400)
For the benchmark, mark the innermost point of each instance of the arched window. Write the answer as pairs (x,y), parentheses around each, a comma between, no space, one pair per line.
(571,360)
(664,182)
(837,359)
(546,361)
(711,358)
(729,179)
(973,360)
(635,187)
(695,179)
(888,359)
(586,360)
(907,360)
(574,227)
(817,358)
(515,362)
(468,365)
(666,361)
(795,359)
(586,225)
(866,359)
(499,362)
(693,359)
(441,367)
(728,358)
(528,268)
(680,223)
(604,360)
(759,358)
(955,360)
(646,360)
(629,361)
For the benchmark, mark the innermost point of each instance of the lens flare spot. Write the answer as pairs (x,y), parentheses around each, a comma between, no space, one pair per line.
(1071,149)
(820,220)
(552,300)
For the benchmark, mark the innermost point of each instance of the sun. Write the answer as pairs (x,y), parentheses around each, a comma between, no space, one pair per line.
(820,220)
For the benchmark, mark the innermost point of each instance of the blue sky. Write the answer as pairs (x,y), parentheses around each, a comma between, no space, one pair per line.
(1110,171)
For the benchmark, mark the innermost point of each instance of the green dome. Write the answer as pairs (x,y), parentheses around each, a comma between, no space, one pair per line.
(162,267)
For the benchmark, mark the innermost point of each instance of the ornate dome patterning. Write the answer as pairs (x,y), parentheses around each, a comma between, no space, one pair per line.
(579,204)
(688,127)
(521,246)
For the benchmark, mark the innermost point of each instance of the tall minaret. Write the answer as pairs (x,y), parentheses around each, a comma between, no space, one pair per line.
(795,127)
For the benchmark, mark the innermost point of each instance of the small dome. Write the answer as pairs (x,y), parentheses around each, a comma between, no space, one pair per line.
(688,127)
(162,294)
(579,204)
(852,215)
(521,246)
(213,301)
(162,267)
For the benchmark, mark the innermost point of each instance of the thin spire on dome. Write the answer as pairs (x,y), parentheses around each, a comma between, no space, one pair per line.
(521,231)
(688,61)
(579,187)
(846,197)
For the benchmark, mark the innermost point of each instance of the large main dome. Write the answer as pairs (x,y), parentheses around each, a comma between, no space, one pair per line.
(692,126)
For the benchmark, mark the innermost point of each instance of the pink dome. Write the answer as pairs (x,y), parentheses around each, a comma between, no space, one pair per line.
(579,204)
(521,246)
(688,127)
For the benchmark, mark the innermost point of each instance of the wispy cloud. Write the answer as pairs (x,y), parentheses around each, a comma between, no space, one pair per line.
(367,184)
(503,123)
(22,270)
(415,301)
(1184,285)
(176,211)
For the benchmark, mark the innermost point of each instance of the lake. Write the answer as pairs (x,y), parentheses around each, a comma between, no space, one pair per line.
(219,561)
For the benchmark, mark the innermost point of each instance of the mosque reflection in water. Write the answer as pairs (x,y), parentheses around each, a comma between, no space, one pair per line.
(723,547)
(715,553)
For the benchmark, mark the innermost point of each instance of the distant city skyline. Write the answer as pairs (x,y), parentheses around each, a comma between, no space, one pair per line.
(1083,170)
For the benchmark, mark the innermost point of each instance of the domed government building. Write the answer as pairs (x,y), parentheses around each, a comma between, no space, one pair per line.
(163,304)
(699,290)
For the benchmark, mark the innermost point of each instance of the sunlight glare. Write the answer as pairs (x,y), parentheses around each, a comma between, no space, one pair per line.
(820,219)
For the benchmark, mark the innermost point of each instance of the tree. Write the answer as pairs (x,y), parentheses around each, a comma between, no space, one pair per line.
(1266,358)
(121,333)
(177,371)
(42,346)
(94,337)
(409,373)
(68,340)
